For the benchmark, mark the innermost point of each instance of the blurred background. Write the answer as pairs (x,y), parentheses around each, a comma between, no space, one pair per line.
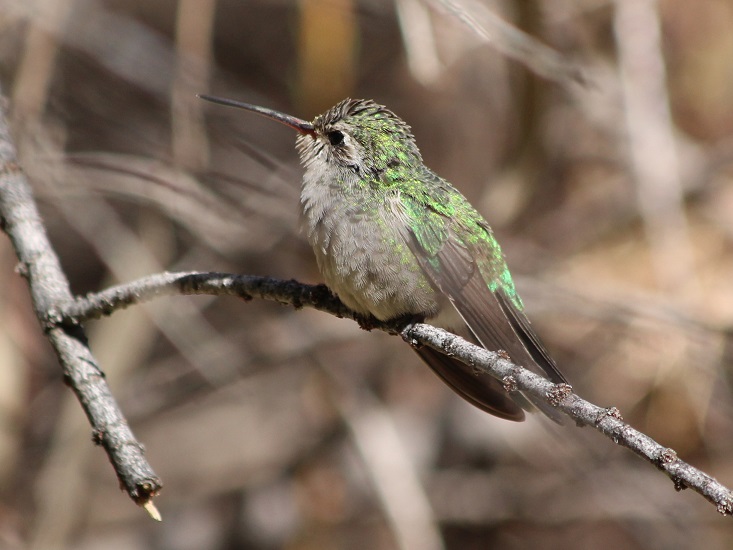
(604,164)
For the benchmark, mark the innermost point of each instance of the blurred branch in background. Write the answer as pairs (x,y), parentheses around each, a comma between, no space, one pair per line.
(390,463)
(418,36)
(32,84)
(652,149)
(512,42)
(195,27)
(327,44)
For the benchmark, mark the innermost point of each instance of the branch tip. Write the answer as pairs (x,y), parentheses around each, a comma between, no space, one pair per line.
(150,508)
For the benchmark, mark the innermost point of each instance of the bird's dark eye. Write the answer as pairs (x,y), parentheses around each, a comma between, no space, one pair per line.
(335,137)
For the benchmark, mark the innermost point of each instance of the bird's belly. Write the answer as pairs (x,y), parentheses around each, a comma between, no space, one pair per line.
(372,269)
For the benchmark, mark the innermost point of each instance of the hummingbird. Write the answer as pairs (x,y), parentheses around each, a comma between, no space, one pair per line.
(394,240)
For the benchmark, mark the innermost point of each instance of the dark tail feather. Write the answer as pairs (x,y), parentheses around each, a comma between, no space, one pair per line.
(481,390)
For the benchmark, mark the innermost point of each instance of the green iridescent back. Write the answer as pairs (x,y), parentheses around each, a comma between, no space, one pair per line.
(435,208)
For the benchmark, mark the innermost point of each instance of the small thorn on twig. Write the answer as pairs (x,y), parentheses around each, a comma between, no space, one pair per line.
(558,393)
(509,383)
(668,456)
(679,485)
(613,412)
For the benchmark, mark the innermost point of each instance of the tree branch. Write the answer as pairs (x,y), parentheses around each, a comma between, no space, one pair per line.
(49,290)
(61,315)
(97,304)
(608,421)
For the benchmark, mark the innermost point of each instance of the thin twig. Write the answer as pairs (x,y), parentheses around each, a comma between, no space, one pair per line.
(49,290)
(606,420)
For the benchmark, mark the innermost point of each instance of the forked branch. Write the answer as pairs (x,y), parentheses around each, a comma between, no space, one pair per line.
(49,289)
(61,316)
(608,421)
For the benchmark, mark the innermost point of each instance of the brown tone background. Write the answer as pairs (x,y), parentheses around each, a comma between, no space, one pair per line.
(275,428)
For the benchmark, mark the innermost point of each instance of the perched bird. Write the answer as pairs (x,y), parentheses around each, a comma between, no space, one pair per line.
(394,240)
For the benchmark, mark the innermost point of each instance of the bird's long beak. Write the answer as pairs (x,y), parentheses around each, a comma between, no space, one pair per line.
(302,126)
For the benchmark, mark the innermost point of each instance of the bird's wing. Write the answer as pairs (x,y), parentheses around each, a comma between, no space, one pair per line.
(466,264)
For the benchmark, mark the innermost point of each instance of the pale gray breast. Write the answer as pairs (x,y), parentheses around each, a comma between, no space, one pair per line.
(362,254)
